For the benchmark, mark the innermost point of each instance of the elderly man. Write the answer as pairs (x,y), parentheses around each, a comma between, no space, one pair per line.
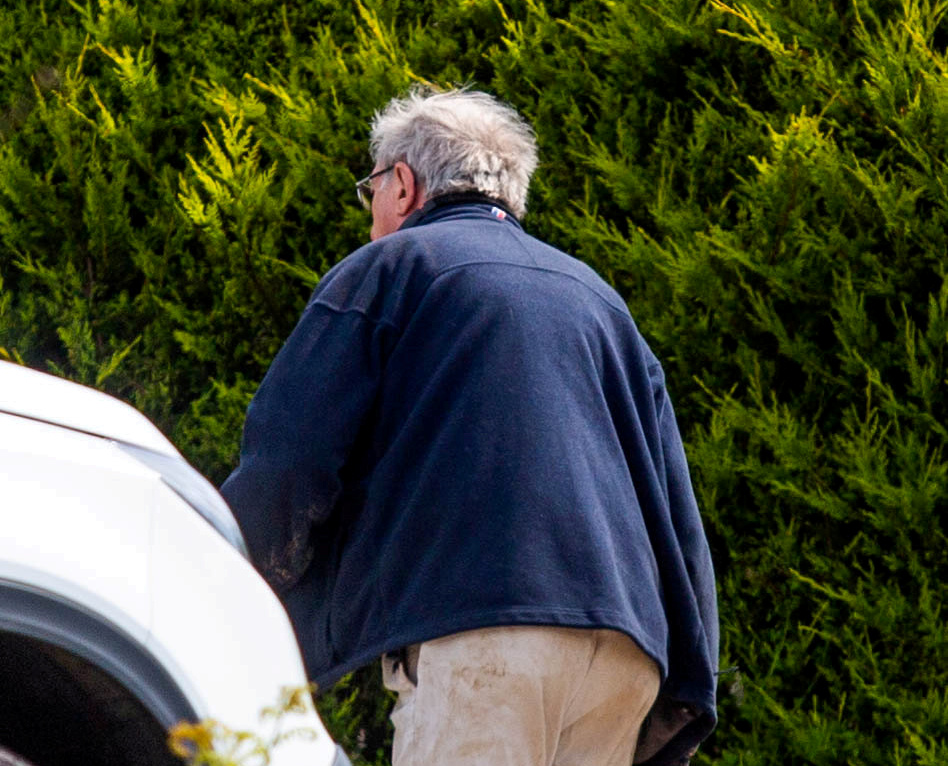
(464,460)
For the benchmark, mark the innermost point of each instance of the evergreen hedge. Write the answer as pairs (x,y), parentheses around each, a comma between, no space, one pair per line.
(764,181)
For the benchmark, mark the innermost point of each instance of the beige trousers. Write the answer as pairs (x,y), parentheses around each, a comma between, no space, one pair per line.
(520,696)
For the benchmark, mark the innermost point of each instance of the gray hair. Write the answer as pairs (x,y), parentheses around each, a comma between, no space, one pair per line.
(458,140)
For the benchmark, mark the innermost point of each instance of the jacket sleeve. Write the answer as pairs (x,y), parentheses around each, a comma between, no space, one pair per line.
(685,711)
(298,434)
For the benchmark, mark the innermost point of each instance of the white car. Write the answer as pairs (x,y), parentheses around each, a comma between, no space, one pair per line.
(127,603)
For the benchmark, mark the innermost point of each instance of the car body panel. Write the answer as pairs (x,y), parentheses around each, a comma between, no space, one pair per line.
(40,396)
(116,564)
(246,632)
(58,486)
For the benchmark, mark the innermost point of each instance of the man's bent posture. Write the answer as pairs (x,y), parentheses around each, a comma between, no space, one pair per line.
(465,460)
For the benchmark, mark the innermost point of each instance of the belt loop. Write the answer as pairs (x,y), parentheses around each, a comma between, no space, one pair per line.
(410,655)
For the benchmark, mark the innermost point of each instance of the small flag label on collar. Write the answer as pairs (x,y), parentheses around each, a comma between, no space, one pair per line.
(499,214)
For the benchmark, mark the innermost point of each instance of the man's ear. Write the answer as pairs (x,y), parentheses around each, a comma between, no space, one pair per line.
(410,195)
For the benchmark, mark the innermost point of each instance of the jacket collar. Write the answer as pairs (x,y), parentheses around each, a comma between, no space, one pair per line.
(436,207)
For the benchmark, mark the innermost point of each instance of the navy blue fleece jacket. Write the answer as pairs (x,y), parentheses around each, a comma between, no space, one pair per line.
(465,430)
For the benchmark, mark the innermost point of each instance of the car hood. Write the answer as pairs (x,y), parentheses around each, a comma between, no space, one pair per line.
(39,396)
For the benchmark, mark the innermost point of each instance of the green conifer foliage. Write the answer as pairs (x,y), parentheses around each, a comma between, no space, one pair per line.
(763,181)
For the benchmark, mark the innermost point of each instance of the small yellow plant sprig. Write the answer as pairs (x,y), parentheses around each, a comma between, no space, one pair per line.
(212,743)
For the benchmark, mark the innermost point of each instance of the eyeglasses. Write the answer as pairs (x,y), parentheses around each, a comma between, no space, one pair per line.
(364,190)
